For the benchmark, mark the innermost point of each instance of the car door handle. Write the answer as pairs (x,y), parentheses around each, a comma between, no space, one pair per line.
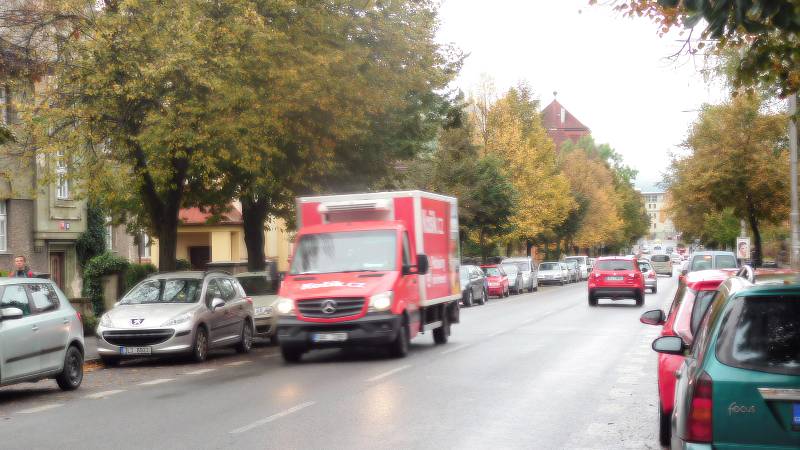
(66,321)
(35,328)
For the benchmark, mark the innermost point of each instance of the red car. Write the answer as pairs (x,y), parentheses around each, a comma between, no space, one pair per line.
(497,280)
(690,303)
(616,277)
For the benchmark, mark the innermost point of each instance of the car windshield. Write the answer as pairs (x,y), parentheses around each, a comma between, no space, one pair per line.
(762,334)
(351,251)
(164,291)
(258,285)
(511,269)
(522,266)
(614,264)
(492,271)
(644,266)
(702,262)
(549,266)
(725,262)
(577,261)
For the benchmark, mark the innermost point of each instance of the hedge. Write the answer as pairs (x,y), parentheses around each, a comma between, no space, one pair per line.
(93,272)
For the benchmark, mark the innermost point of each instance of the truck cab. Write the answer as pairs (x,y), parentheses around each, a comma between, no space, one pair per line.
(370,270)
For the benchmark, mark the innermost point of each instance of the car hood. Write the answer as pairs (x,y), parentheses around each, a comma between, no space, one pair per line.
(549,272)
(347,284)
(264,300)
(150,315)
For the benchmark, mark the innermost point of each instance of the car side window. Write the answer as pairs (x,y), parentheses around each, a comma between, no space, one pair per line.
(226,287)
(212,292)
(15,296)
(44,297)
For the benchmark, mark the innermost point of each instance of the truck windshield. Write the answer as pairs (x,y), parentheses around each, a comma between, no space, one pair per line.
(350,251)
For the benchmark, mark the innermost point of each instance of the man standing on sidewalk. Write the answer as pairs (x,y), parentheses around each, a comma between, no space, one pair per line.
(21,269)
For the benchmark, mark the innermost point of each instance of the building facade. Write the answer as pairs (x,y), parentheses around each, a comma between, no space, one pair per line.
(661,226)
(561,125)
(40,216)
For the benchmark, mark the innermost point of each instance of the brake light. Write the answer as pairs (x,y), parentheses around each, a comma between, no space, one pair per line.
(80,319)
(632,274)
(651,275)
(700,412)
(249,300)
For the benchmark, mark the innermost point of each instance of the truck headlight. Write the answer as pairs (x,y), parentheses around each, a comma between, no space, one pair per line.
(285,306)
(381,302)
(105,321)
(177,320)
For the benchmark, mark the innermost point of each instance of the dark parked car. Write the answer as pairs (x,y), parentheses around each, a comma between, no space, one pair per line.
(473,285)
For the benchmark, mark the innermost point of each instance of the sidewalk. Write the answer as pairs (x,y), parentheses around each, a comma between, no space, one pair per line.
(90,344)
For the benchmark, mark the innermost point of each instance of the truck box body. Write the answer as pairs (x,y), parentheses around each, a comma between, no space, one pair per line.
(351,248)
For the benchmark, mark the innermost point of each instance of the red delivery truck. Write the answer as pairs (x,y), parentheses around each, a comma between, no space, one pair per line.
(371,269)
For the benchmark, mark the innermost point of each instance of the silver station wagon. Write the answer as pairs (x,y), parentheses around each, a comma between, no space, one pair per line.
(185,313)
(41,335)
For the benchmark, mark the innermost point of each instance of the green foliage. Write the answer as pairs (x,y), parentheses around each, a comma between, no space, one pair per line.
(136,273)
(182,264)
(93,272)
(720,228)
(6,135)
(92,242)
(90,322)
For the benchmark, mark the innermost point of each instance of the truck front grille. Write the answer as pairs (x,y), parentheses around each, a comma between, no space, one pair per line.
(328,308)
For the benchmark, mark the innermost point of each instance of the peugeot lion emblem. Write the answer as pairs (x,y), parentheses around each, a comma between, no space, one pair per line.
(136,321)
(329,306)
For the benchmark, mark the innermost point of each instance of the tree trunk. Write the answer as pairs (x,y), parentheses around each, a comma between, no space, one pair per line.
(528,247)
(254,215)
(558,250)
(167,231)
(482,244)
(757,255)
(509,248)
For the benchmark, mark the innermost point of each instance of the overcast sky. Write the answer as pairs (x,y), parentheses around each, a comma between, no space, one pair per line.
(611,72)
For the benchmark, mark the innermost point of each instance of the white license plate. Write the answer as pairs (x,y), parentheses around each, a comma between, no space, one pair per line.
(329,337)
(263,310)
(615,278)
(135,350)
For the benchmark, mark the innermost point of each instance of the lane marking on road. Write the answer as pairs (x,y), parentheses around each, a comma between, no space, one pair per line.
(40,408)
(496,333)
(104,394)
(156,381)
(238,363)
(199,371)
(455,349)
(272,418)
(388,373)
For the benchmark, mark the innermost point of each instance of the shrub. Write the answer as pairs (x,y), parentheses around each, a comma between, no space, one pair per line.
(92,242)
(89,324)
(93,272)
(182,264)
(136,273)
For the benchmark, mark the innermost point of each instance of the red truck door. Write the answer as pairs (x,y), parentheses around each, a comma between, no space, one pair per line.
(407,287)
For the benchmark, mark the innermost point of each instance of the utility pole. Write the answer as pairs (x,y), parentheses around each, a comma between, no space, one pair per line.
(795,215)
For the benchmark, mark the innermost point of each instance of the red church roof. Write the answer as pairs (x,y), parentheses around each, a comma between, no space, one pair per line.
(196,216)
(561,124)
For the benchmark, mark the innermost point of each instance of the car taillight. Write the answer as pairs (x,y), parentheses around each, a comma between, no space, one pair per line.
(632,274)
(651,275)
(700,412)
(249,300)
(80,319)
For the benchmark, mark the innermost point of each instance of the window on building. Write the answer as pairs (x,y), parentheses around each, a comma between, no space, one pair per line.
(144,246)
(62,181)
(109,234)
(3,226)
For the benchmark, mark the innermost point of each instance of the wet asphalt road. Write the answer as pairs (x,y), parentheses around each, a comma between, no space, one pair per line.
(534,371)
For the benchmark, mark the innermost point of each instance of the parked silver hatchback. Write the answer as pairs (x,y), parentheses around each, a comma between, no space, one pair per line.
(177,313)
(41,335)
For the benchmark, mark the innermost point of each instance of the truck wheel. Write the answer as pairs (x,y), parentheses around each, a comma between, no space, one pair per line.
(291,354)
(399,348)
(441,334)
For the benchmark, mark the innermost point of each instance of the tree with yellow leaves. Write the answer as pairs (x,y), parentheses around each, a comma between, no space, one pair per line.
(516,135)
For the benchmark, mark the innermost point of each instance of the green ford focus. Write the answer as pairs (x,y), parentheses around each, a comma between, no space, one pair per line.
(739,386)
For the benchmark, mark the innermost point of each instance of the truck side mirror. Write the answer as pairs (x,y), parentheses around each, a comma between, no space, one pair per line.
(422,264)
